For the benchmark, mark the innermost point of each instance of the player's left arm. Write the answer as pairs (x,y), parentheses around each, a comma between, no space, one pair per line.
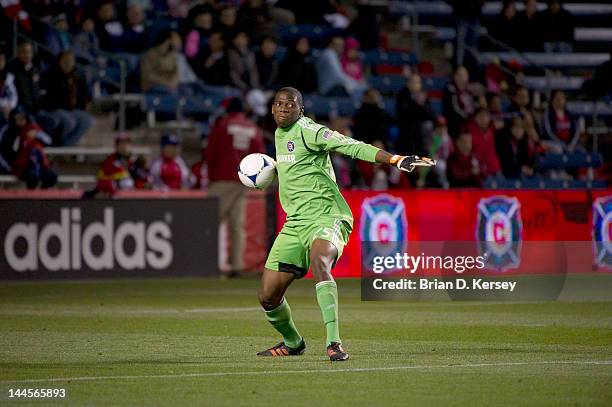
(329,140)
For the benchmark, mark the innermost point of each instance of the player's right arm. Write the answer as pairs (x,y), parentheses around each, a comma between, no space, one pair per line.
(328,140)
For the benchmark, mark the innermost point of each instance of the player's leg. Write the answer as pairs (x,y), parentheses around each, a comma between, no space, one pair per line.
(285,263)
(325,250)
(271,296)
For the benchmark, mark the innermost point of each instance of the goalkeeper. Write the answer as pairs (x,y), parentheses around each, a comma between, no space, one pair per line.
(319,221)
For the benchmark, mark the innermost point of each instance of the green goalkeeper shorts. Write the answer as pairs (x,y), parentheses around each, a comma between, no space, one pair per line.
(291,250)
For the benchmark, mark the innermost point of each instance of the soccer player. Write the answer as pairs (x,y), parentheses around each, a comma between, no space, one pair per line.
(319,220)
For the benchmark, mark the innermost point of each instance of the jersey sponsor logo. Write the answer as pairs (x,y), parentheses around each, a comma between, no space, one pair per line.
(327,134)
(285,158)
(499,231)
(290,146)
(383,227)
(602,232)
(69,244)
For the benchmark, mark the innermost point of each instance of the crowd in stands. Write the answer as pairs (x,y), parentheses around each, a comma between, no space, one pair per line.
(488,126)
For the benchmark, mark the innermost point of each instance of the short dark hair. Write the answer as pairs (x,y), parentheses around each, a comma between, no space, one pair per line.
(294,92)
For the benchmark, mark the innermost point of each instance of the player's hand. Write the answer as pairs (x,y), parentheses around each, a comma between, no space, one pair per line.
(409,162)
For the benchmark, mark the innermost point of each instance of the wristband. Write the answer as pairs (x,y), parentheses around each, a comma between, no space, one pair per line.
(395,159)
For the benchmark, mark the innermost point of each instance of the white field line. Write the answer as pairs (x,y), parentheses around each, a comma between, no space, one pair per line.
(125,311)
(306,371)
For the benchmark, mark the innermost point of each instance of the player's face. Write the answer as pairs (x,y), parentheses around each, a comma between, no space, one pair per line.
(286,109)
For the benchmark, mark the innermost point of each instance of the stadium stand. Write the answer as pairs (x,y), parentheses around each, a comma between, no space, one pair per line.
(390,56)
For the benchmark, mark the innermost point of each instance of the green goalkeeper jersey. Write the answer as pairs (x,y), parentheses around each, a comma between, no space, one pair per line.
(307,183)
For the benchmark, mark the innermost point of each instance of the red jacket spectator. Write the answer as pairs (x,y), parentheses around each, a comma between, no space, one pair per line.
(31,164)
(199,173)
(114,174)
(232,138)
(483,142)
(114,171)
(169,170)
(463,169)
(29,144)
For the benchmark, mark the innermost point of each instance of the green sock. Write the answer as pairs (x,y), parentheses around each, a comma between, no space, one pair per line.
(280,318)
(327,296)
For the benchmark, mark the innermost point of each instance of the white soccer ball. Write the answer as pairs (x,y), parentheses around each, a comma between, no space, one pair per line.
(257,170)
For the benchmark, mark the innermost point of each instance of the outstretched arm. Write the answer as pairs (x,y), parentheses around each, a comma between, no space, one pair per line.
(328,140)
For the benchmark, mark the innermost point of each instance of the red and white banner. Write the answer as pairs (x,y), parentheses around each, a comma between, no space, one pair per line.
(479,215)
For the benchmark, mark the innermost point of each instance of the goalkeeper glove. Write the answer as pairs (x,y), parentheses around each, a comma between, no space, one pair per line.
(409,162)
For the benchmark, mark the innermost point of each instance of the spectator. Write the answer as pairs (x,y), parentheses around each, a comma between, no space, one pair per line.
(254,17)
(558,28)
(203,27)
(467,14)
(141,173)
(178,9)
(227,21)
(256,104)
(438,147)
(114,172)
(298,69)
(31,165)
(267,63)
(108,29)
(496,109)
(65,100)
(366,27)
(168,171)
(243,69)
(9,138)
(463,166)
(212,65)
(199,173)
(351,60)
(559,126)
(529,34)
(371,121)
(86,44)
(521,105)
(515,151)
(332,79)
(374,176)
(503,27)
(232,137)
(158,66)
(483,142)
(458,102)
(135,37)
(27,77)
(188,81)
(415,117)
(8,95)
(57,37)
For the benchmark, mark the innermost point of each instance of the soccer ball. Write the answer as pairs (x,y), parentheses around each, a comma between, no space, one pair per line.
(257,170)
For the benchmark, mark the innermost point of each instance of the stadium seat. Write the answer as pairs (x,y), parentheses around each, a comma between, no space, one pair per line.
(380,57)
(593,34)
(314,33)
(387,83)
(588,109)
(492,8)
(557,60)
(543,83)
(539,183)
(571,160)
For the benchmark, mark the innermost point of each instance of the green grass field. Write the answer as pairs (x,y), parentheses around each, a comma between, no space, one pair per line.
(192,342)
